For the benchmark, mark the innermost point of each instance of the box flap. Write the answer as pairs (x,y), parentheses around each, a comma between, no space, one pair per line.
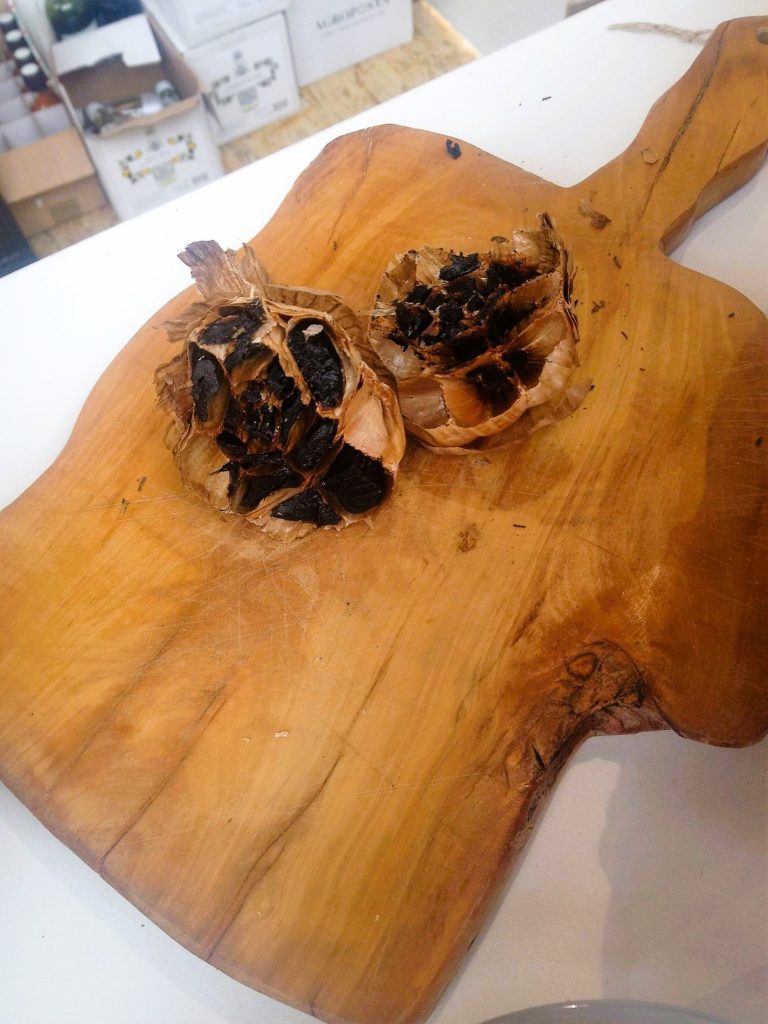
(109,64)
(48,163)
(130,39)
(179,73)
(150,119)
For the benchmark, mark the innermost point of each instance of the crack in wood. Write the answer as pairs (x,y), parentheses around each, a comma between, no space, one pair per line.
(215,695)
(728,143)
(370,137)
(528,621)
(109,716)
(253,878)
(688,119)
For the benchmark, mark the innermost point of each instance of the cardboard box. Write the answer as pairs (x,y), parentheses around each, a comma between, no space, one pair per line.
(152,159)
(247,76)
(110,63)
(199,21)
(49,182)
(328,35)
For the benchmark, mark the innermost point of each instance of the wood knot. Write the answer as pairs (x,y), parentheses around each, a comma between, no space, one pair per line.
(583,666)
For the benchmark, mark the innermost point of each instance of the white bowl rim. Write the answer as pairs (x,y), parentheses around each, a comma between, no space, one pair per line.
(569,1011)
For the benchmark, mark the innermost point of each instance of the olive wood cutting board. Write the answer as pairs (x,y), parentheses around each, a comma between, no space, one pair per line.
(313,763)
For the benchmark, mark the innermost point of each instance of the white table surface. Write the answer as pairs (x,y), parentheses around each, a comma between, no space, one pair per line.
(647,875)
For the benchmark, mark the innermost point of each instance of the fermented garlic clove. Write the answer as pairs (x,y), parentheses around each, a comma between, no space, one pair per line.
(275,416)
(477,341)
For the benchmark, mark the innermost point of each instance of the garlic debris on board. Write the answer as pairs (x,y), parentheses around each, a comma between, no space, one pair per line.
(275,415)
(481,346)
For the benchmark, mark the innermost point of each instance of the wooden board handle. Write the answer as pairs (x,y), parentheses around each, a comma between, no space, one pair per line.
(702,139)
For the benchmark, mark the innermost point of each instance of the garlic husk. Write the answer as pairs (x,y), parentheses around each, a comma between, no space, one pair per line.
(477,342)
(274,414)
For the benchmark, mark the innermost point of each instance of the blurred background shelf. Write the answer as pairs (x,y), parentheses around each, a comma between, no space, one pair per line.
(436,47)
(447,34)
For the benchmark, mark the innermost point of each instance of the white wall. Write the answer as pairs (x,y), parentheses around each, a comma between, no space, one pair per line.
(491,24)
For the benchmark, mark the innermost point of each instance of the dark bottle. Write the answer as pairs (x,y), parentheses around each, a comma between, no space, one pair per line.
(22,56)
(33,78)
(114,10)
(14,39)
(7,22)
(68,17)
(36,86)
(14,248)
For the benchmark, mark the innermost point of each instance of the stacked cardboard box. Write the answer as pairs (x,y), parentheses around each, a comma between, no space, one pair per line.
(193,22)
(46,176)
(231,63)
(328,35)
(49,182)
(239,51)
(149,159)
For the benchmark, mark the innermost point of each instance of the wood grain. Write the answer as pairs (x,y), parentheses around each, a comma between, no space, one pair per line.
(313,764)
